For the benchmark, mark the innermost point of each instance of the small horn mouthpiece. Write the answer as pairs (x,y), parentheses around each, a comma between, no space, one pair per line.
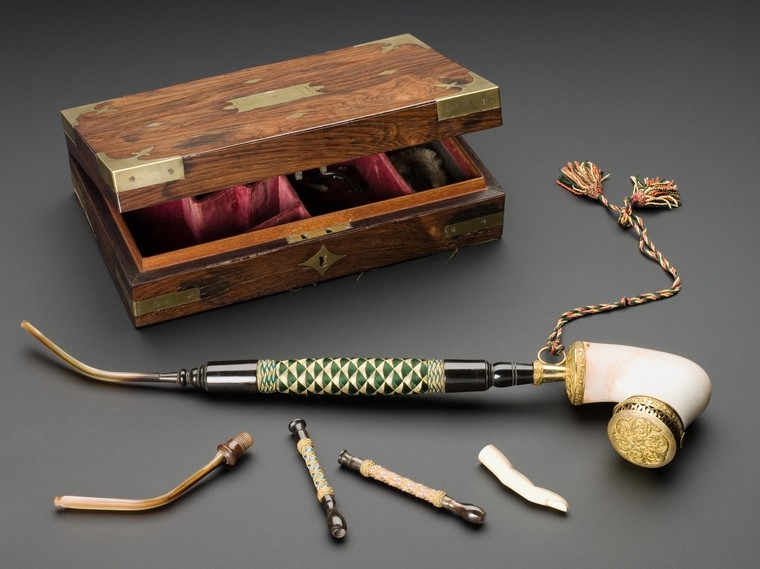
(497,462)
(228,453)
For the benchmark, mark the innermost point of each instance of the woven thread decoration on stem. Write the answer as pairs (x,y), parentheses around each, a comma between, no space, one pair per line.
(370,469)
(309,454)
(586,179)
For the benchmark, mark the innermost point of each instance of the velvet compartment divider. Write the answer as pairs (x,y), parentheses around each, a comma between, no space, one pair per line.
(200,219)
(244,208)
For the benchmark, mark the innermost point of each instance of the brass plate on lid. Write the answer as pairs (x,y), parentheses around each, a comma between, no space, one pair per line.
(477,96)
(125,174)
(274,97)
(71,116)
(395,41)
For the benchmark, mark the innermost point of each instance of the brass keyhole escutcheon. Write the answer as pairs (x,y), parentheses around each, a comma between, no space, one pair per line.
(322,260)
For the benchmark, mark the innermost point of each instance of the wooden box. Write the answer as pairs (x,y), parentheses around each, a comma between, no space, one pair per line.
(271,178)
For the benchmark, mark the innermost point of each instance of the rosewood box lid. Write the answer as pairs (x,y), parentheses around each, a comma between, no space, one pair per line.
(189,139)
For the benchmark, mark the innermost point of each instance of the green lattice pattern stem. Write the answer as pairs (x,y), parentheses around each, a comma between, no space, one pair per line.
(351,376)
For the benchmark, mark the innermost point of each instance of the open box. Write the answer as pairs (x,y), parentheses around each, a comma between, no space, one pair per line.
(272,178)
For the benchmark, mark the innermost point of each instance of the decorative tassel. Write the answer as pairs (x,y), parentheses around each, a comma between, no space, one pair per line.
(582,179)
(654,193)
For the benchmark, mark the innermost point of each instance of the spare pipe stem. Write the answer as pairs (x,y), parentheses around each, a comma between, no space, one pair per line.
(228,453)
(438,498)
(336,523)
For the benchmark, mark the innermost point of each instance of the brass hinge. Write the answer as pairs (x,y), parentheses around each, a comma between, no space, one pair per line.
(306,235)
(472,225)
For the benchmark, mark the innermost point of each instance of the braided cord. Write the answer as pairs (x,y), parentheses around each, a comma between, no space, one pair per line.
(370,469)
(585,179)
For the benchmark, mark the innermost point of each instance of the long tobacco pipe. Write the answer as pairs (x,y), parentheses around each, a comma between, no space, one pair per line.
(657,395)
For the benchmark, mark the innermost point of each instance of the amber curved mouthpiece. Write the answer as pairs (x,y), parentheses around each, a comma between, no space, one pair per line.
(93,372)
(228,453)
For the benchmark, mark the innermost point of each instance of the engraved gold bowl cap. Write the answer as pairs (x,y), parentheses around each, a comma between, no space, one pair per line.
(645,431)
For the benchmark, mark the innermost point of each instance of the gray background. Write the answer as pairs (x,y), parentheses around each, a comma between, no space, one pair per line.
(651,88)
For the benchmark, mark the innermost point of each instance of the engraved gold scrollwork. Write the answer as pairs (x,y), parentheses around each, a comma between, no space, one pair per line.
(571,369)
(639,441)
(575,384)
(645,431)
